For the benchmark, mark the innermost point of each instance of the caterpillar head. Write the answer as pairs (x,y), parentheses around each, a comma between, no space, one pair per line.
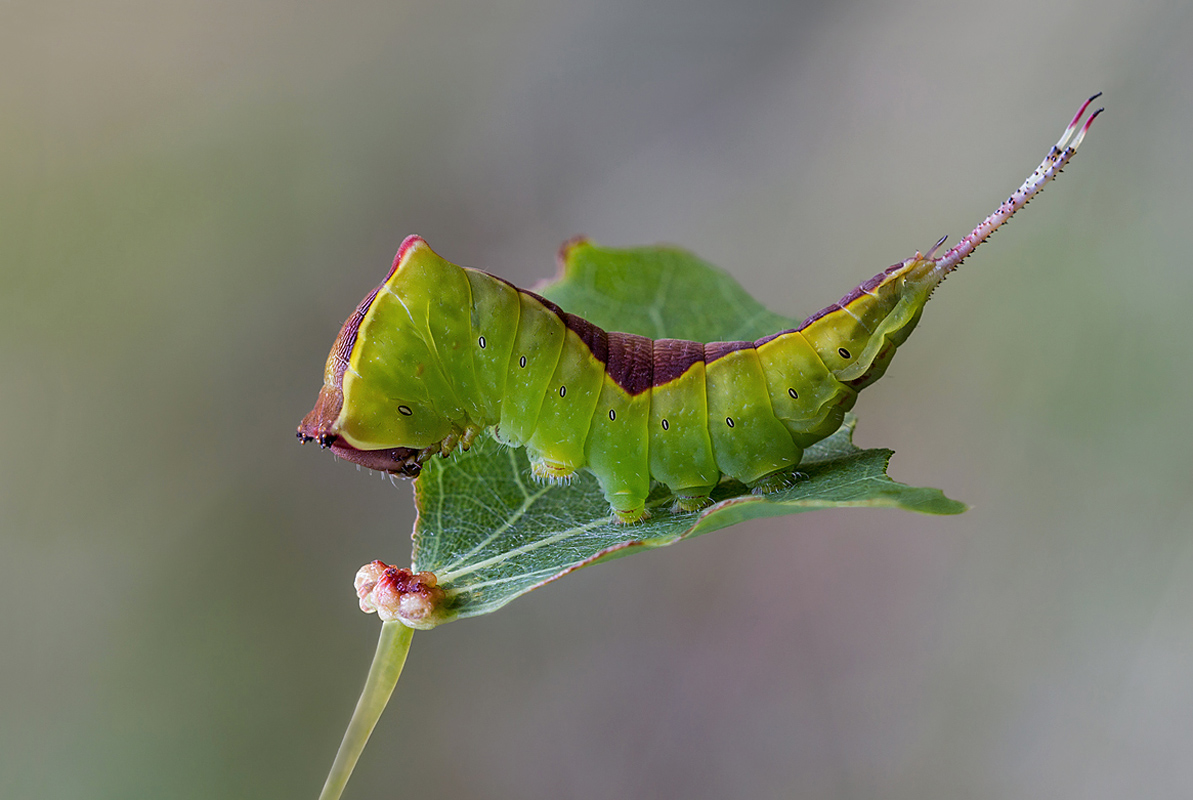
(374,409)
(320,426)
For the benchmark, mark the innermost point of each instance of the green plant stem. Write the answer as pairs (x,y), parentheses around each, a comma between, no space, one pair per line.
(387,665)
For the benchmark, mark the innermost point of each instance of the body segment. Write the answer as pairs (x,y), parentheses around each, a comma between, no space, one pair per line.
(438,353)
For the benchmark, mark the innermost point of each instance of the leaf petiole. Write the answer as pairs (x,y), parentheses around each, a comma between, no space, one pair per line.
(384,672)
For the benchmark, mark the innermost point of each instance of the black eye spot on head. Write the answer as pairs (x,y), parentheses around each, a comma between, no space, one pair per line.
(843,352)
(563,390)
(794,394)
(481,342)
(612,415)
(665,425)
(405,411)
(729,421)
(522,362)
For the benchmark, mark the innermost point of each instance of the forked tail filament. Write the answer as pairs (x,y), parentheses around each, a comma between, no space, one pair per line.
(1052,164)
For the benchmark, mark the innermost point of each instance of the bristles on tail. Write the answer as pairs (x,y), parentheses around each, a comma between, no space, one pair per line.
(1052,164)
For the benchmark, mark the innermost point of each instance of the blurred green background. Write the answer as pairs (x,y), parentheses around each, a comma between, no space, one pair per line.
(196,194)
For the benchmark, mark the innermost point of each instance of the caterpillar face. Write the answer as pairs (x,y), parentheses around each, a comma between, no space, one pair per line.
(320,426)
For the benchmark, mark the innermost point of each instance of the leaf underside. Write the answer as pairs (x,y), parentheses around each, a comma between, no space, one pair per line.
(490,533)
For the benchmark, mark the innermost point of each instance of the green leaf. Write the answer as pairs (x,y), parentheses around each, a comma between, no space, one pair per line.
(490,533)
(660,292)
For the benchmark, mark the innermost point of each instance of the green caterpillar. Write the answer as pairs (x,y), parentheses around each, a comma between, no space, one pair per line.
(438,353)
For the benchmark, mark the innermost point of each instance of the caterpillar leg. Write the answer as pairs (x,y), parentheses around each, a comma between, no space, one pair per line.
(470,434)
(690,500)
(627,507)
(628,516)
(461,439)
(551,472)
(776,481)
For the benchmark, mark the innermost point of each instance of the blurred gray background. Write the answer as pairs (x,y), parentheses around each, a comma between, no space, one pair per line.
(196,194)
